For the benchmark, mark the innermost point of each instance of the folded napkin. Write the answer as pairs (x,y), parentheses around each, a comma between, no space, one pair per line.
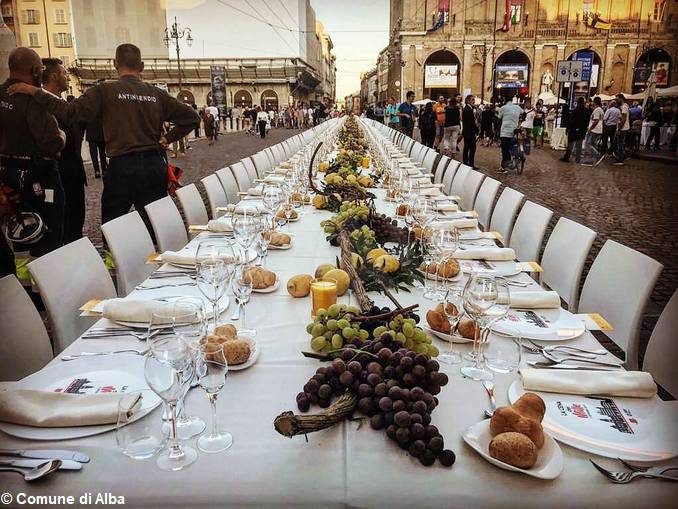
(281,171)
(447,207)
(458,223)
(274,179)
(48,409)
(630,384)
(255,191)
(134,310)
(220,225)
(493,254)
(431,191)
(534,300)
(180,257)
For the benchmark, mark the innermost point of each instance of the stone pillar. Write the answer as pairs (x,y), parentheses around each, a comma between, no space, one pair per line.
(630,68)
(606,74)
(490,56)
(535,81)
(561,52)
(466,64)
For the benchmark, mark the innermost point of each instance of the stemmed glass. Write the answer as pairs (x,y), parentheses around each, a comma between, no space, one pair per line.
(272,198)
(453,308)
(245,230)
(214,265)
(264,239)
(163,369)
(212,372)
(242,289)
(431,252)
(480,295)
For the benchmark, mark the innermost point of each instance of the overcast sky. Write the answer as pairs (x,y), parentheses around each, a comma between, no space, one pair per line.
(358,28)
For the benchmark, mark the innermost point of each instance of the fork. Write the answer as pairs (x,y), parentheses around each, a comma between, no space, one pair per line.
(568,347)
(95,354)
(627,477)
(648,470)
(168,285)
(537,349)
(142,336)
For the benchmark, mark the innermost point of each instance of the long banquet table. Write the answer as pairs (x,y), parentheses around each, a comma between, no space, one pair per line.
(348,465)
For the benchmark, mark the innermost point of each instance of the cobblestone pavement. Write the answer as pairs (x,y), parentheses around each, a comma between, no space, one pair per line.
(197,163)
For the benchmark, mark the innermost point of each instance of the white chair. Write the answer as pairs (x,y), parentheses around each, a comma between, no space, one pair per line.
(441,167)
(618,287)
(24,343)
(504,213)
(469,189)
(661,355)
(250,168)
(130,245)
(192,204)
(457,185)
(271,156)
(215,193)
(407,145)
(229,183)
(450,172)
(485,200)
(564,257)
(261,163)
(528,231)
(241,177)
(279,153)
(429,160)
(168,227)
(67,278)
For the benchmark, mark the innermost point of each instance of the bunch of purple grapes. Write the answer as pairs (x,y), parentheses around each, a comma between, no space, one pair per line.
(396,388)
(387,229)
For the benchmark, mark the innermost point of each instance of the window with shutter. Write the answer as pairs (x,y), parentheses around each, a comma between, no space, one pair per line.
(60,16)
(31,17)
(33,40)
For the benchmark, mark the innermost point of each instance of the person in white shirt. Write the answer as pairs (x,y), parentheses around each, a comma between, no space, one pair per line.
(622,131)
(214,111)
(262,120)
(595,131)
(309,114)
(271,117)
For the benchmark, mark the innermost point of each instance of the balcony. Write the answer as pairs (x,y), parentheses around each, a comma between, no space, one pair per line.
(478,27)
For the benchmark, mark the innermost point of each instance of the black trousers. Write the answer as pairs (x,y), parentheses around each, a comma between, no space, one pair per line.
(42,192)
(133,179)
(607,142)
(469,154)
(654,135)
(97,151)
(74,181)
(7,264)
(262,128)
(506,144)
(427,136)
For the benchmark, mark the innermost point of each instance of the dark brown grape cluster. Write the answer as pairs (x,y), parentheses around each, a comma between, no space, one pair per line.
(387,229)
(396,388)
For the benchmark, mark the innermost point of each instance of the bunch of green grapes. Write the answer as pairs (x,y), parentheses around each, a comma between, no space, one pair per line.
(334,327)
(363,240)
(407,332)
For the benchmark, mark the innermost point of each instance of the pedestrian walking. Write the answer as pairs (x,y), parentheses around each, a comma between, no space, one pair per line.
(196,131)
(379,113)
(392,114)
(576,130)
(595,131)
(538,124)
(509,115)
(427,125)
(262,120)
(439,110)
(209,127)
(610,123)
(452,127)
(469,131)
(407,112)
(653,119)
(487,125)
(623,131)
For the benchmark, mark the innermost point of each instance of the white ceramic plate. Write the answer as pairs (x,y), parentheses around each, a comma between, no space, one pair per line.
(270,289)
(541,324)
(255,350)
(446,337)
(223,306)
(549,463)
(633,429)
(121,373)
(507,268)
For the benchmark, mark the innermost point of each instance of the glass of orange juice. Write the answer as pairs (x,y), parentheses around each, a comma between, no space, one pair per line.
(323,294)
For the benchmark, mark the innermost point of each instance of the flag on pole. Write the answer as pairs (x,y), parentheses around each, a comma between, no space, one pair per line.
(507,17)
(442,16)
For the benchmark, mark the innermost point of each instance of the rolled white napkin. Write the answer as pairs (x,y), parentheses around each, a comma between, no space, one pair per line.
(180,257)
(630,384)
(413,171)
(447,207)
(533,300)
(255,191)
(220,225)
(464,222)
(281,171)
(431,191)
(47,409)
(274,179)
(492,254)
(134,310)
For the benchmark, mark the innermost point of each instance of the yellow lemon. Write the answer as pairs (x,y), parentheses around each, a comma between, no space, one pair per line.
(319,201)
(365,162)
(375,253)
(299,285)
(323,269)
(387,264)
(356,260)
(340,277)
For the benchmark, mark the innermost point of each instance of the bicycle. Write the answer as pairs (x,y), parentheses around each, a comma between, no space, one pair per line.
(520,148)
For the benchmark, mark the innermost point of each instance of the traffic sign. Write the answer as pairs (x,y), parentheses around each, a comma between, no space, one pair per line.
(570,70)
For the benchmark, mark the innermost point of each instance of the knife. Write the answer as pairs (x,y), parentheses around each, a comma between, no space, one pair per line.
(32,463)
(47,454)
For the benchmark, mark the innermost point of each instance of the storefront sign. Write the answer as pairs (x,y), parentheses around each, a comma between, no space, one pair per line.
(586,57)
(440,76)
(218,78)
(511,75)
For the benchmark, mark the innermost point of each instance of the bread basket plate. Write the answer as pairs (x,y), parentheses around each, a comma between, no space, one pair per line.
(255,350)
(281,248)
(633,429)
(446,337)
(549,463)
(269,289)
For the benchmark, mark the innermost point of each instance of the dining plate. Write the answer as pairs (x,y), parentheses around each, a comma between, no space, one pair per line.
(549,463)
(255,350)
(86,375)
(507,268)
(541,324)
(633,429)
(446,337)
(269,289)
(280,248)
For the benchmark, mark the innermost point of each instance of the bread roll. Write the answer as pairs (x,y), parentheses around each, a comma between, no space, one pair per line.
(531,405)
(227,330)
(514,448)
(506,418)
(236,351)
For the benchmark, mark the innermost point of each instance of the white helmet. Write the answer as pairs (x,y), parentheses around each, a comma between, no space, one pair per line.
(23,228)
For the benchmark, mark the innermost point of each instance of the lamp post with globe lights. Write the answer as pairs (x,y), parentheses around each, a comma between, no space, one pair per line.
(173,35)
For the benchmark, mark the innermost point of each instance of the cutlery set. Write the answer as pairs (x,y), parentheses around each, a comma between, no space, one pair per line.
(35,464)
(94,354)
(637,472)
(558,355)
(112,332)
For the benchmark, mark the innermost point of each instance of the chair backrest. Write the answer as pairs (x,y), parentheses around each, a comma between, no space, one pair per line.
(67,278)
(440,169)
(215,193)
(618,286)
(241,177)
(661,355)
(485,200)
(130,244)
(458,182)
(564,257)
(168,227)
(192,204)
(279,153)
(417,149)
(450,172)
(407,145)
(24,343)
(261,163)
(504,213)
(469,189)
(429,160)
(271,156)
(229,183)
(528,231)
(250,168)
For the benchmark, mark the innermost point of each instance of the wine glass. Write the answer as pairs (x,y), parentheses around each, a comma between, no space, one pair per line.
(214,262)
(264,239)
(431,254)
(242,289)
(272,198)
(244,230)
(479,296)
(167,359)
(212,372)
(453,308)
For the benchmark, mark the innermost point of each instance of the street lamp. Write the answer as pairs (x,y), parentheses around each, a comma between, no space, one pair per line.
(173,35)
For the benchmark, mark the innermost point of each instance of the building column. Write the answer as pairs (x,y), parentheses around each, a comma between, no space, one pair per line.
(630,68)
(561,52)
(489,72)
(606,74)
(466,64)
(535,81)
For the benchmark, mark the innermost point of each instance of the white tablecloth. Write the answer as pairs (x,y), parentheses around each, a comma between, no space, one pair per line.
(346,466)
(559,138)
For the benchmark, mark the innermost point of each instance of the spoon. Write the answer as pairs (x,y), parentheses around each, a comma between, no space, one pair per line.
(35,473)
(489,387)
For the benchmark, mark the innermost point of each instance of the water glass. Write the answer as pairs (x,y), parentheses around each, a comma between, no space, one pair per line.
(453,308)
(138,437)
(504,353)
(242,289)
(212,372)
(480,294)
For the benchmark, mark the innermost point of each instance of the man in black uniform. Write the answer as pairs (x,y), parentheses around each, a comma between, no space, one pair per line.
(71,167)
(30,142)
(132,113)
(94,134)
